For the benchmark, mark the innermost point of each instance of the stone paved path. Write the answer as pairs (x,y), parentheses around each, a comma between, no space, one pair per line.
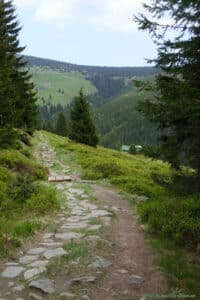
(27,277)
(91,255)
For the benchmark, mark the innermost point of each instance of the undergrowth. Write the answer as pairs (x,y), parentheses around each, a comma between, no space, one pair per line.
(169,216)
(24,199)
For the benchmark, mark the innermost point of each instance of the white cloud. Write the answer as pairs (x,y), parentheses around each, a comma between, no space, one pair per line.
(110,15)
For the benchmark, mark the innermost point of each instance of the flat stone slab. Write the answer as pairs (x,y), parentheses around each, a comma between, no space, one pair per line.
(54,252)
(33,296)
(75,226)
(44,285)
(48,235)
(69,236)
(29,274)
(25,260)
(84,279)
(12,264)
(100,262)
(39,263)
(51,244)
(12,272)
(36,251)
(135,280)
(19,288)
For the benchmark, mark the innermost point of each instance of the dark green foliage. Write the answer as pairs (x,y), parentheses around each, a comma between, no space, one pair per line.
(152,151)
(175,107)
(21,189)
(17,99)
(176,218)
(8,138)
(118,122)
(132,149)
(82,128)
(61,125)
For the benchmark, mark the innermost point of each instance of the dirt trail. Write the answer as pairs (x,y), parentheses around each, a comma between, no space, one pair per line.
(98,251)
(133,273)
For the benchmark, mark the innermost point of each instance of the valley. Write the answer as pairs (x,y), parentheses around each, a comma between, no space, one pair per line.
(110,91)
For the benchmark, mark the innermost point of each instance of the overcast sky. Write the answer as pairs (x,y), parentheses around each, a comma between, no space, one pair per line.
(92,32)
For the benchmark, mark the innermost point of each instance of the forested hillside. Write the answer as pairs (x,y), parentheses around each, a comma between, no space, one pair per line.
(119,122)
(110,91)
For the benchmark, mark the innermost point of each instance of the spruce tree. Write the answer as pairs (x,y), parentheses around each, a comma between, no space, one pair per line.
(174,103)
(82,127)
(61,125)
(17,96)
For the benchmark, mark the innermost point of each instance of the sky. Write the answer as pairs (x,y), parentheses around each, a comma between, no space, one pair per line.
(87,32)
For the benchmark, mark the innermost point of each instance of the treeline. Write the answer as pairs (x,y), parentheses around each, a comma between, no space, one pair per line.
(91,70)
(118,122)
(17,97)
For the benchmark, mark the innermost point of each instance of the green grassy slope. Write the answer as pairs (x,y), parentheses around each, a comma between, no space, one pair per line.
(25,202)
(49,81)
(172,220)
(118,122)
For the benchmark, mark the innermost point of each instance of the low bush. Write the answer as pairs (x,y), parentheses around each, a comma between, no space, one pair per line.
(176,218)
(43,200)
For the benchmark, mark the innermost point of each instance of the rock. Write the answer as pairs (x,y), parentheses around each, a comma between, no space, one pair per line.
(69,236)
(19,288)
(122,271)
(11,283)
(36,251)
(33,296)
(39,263)
(51,244)
(54,252)
(75,226)
(84,279)
(29,274)
(12,264)
(95,227)
(140,198)
(28,259)
(68,295)
(100,213)
(44,285)
(135,280)
(100,262)
(12,272)
(48,235)
(85,297)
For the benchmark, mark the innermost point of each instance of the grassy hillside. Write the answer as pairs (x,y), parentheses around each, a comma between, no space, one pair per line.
(59,87)
(172,220)
(118,122)
(25,202)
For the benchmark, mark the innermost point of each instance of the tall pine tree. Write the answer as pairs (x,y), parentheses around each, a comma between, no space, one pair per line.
(17,97)
(175,107)
(82,127)
(61,125)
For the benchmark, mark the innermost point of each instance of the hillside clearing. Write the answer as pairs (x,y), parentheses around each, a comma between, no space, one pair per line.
(95,247)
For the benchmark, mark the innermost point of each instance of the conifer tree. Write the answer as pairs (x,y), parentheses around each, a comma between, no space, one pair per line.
(61,125)
(17,96)
(175,107)
(82,127)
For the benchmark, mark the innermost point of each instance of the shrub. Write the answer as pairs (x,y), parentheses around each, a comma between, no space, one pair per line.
(8,138)
(44,200)
(176,218)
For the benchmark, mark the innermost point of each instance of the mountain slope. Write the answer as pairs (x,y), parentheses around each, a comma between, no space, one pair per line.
(119,122)
(101,83)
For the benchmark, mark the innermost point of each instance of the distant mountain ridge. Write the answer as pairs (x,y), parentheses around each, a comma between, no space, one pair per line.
(111,71)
